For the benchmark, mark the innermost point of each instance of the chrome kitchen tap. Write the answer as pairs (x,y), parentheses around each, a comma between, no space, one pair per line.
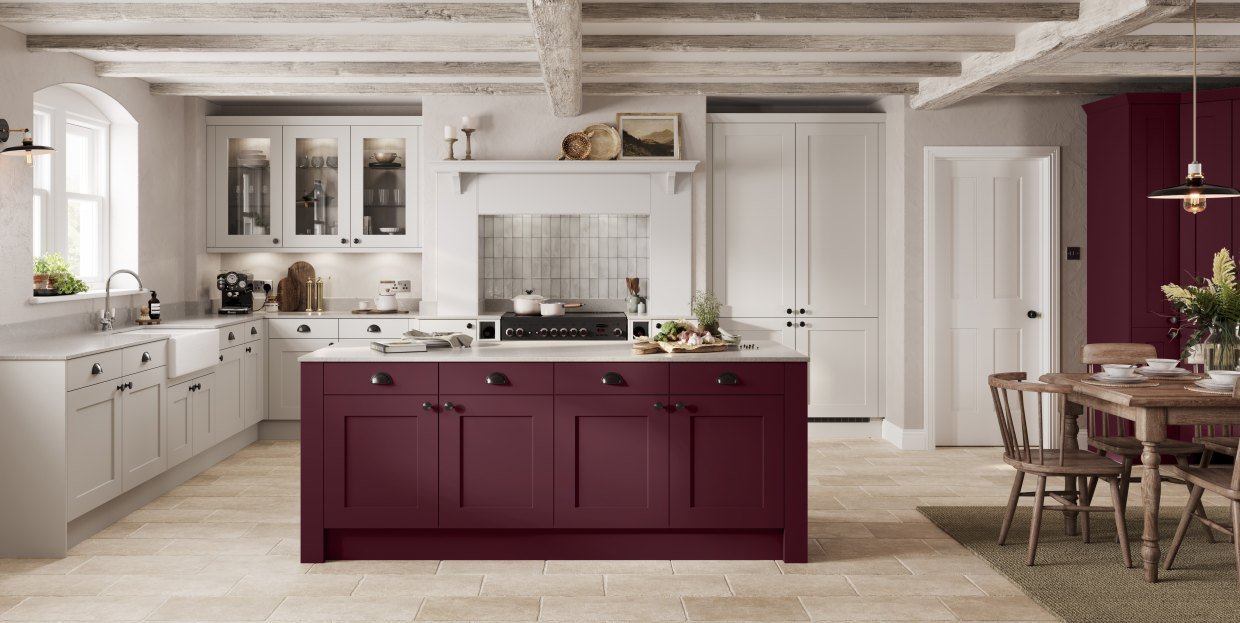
(107,314)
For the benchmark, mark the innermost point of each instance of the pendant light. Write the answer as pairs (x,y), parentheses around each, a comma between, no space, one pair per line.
(27,148)
(1194,192)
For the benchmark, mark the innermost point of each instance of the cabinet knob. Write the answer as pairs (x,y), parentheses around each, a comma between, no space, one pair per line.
(249,349)
(301,328)
(275,241)
(469,325)
(680,406)
(1173,333)
(1173,320)
(789,311)
(357,241)
(120,387)
(447,406)
(497,378)
(374,328)
(344,241)
(426,406)
(801,324)
(613,378)
(129,385)
(658,406)
(96,369)
(728,378)
(1032,314)
(146,357)
(801,311)
(381,378)
(790,323)
(221,358)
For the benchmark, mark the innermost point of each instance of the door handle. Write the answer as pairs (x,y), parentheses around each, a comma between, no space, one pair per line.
(790,323)
(728,378)
(231,337)
(497,378)
(301,328)
(146,357)
(96,369)
(790,311)
(801,311)
(801,324)
(612,378)
(253,330)
(374,328)
(381,378)
(1032,314)
(658,406)
(426,406)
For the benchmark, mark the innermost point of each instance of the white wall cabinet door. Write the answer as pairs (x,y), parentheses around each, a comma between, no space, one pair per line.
(244,187)
(92,446)
(837,179)
(753,168)
(144,443)
(316,153)
(843,365)
(284,375)
(180,427)
(253,373)
(201,403)
(385,196)
(778,330)
(227,402)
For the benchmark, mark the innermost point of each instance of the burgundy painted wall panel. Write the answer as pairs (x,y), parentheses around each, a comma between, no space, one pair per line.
(587,378)
(1213,229)
(357,378)
(727,461)
(496,460)
(611,461)
(381,457)
(471,378)
(751,378)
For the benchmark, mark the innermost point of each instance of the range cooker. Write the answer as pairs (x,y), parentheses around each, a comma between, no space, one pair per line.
(570,326)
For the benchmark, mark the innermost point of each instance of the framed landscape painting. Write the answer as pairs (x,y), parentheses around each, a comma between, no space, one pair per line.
(649,136)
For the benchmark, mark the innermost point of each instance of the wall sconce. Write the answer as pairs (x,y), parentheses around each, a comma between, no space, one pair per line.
(27,148)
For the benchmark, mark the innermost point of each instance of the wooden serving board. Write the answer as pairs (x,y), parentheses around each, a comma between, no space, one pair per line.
(672,347)
(292,294)
(367,312)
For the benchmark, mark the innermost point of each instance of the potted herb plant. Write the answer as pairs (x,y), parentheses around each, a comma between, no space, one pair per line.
(53,276)
(705,308)
(1211,307)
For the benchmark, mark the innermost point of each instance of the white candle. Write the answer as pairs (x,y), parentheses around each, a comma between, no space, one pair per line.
(448,132)
(466,122)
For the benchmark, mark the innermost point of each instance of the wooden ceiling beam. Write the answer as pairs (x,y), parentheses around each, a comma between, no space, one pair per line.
(1042,44)
(266,89)
(557,34)
(1046,89)
(1169,43)
(1129,69)
(279,43)
(826,12)
(797,43)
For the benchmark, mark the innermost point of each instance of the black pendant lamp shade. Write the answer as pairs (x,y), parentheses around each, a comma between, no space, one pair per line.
(27,148)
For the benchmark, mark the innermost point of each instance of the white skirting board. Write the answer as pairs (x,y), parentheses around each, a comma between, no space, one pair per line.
(905,439)
(844,430)
(279,429)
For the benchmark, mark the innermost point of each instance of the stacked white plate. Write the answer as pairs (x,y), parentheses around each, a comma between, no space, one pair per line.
(1213,385)
(1163,372)
(1103,377)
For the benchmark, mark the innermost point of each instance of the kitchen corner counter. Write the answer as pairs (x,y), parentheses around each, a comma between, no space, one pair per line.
(754,352)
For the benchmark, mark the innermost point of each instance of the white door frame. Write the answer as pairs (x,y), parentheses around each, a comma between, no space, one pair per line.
(1049,160)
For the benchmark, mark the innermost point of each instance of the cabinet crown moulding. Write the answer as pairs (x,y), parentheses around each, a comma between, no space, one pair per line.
(668,169)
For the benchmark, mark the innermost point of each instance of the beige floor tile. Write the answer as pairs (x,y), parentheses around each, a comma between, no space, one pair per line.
(543,585)
(419,585)
(206,490)
(765,585)
(479,609)
(162,503)
(143,565)
(854,480)
(915,585)
(310,585)
(996,585)
(880,565)
(288,530)
(909,516)
(970,565)
(82,609)
(270,491)
(488,567)
(243,565)
(208,547)
(53,566)
(287,547)
(990,608)
(118,530)
(612,609)
(265,504)
(173,515)
(706,567)
(7,602)
(907,491)
(228,515)
(667,586)
(54,585)
(876,609)
(744,609)
(202,585)
(907,531)
(853,516)
(216,609)
(866,502)
(119,547)
(201,479)
(608,566)
(947,547)
(191,531)
(371,567)
(347,609)
(853,549)
(819,530)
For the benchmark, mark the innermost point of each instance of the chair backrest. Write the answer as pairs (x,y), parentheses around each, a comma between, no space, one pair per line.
(1008,389)
(1132,354)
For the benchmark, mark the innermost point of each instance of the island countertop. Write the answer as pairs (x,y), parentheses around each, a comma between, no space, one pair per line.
(755,352)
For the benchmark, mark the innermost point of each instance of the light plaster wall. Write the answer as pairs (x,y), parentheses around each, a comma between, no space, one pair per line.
(345,275)
(1052,121)
(171,192)
(523,128)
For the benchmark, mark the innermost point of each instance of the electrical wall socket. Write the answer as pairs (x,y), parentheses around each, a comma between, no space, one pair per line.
(403,285)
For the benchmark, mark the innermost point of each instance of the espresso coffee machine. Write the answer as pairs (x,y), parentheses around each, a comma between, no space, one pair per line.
(236,292)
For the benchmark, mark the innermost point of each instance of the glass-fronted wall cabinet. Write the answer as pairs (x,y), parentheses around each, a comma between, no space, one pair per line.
(385,175)
(317,189)
(244,175)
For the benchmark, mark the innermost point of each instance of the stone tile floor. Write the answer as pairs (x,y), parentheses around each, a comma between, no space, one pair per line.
(224,547)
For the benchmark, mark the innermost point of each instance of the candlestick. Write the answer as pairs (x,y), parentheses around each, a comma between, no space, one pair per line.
(448,132)
(469,147)
(466,122)
(451,148)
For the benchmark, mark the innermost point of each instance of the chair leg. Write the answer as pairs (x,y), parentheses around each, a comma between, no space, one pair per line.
(1127,480)
(1121,522)
(1013,500)
(1235,526)
(1194,498)
(1083,500)
(1035,527)
(1200,509)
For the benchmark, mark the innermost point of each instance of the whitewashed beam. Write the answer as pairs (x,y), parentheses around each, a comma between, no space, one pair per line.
(272,12)
(236,89)
(201,69)
(749,88)
(1105,88)
(1042,44)
(279,43)
(856,69)
(827,12)
(1170,43)
(797,43)
(1129,69)
(557,34)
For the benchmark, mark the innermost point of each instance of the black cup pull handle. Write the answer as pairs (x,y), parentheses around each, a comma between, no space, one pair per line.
(497,378)
(357,241)
(301,328)
(728,378)
(381,378)
(253,330)
(96,369)
(374,328)
(231,337)
(146,357)
(344,241)
(613,378)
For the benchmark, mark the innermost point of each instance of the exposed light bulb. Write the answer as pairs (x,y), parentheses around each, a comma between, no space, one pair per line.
(29,159)
(1194,203)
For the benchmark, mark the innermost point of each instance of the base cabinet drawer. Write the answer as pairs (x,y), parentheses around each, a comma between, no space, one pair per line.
(381,378)
(303,328)
(373,328)
(92,369)
(507,379)
(728,378)
(144,357)
(611,379)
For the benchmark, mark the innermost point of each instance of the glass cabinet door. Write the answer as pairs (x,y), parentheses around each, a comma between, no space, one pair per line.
(385,189)
(246,186)
(316,194)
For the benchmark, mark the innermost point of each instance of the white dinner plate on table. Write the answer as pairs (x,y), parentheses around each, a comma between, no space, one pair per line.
(1213,386)
(1148,371)
(1103,377)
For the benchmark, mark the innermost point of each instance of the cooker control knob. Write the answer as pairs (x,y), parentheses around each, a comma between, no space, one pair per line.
(520,332)
(509,332)
(544,332)
(573,332)
(618,332)
(561,332)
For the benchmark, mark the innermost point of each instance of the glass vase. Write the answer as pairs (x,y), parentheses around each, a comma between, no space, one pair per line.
(1221,348)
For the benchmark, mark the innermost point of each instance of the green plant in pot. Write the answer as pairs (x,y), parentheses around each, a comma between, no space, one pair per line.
(1211,308)
(52,272)
(705,308)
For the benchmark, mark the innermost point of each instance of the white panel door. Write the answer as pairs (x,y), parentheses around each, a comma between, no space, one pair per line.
(778,330)
(284,375)
(837,178)
(228,413)
(843,365)
(144,443)
(316,153)
(180,428)
(753,168)
(205,426)
(385,195)
(93,446)
(253,405)
(245,187)
(990,211)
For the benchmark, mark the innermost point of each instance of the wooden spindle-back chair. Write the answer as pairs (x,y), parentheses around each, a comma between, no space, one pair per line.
(1025,450)
(1223,480)
(1216,439)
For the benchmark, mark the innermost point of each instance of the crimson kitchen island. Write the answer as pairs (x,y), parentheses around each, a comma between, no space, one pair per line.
(554,451)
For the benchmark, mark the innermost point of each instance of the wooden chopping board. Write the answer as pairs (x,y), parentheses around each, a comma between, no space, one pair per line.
(292,292)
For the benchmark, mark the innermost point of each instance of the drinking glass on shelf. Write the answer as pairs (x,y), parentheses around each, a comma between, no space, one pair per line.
(370,197)
(397,196)
(317,162)
(303,162)
(383,197)
(333,162)
(367,227)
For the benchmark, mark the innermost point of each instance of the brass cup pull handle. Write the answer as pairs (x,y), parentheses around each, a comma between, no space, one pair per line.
(146,357)
(301,328)
(96,369)
(374,328)
(497,378)
(381,378)
(447,406)
(612,378)
(728,378)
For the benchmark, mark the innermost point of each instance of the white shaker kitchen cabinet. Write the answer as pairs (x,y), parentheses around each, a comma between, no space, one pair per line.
(227,398)
(179,431)
(468,326)
(204,412)
(753,177)
(244,187)
(384,198)
(317,201)
(144,443)
(92,446)
(284,375)
(779,330)
(843,366)
(837,208)
(253,384)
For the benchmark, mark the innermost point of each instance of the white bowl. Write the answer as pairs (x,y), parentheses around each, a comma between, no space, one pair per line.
(1119,370)
(1224,377)
(1162,364)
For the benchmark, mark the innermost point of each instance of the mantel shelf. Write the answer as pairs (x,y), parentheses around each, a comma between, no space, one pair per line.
(667,169)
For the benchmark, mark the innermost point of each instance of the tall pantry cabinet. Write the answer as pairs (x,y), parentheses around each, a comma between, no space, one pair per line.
(795,211)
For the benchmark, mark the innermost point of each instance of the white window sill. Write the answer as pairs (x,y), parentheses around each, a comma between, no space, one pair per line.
(93,294)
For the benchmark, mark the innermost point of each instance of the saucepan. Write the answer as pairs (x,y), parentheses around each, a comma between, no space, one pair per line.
(556,308)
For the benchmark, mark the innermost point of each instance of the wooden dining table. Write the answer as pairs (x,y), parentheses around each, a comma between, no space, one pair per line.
(1151,409)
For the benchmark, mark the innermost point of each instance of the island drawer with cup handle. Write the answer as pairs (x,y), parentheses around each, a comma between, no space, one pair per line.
(373,328)
(144,357)
(92,369)
(728,378)
(381,378)
(303,328)
(495,378)
(611,378)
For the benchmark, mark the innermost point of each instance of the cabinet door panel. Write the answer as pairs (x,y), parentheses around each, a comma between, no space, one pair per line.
(284,375)
(180,428)
(144,446)
(206,431)
(727,462)
(843,366)
(495,462)
(244,187)
(316,153)
(227,406)
(253,371)
(753,168)
(385,197)
(92,446)
(837,219)
(381,456)
(611,462)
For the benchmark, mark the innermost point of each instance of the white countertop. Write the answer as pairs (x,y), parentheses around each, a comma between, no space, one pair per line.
(555,351)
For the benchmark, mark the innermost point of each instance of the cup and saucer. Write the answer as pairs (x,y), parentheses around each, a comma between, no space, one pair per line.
(1162,368)
(1118,374)
(1219,381)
